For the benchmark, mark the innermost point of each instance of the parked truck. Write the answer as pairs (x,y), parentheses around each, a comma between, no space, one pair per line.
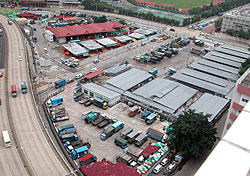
(119,141)
(59,119)
(90,117)
(87,159)
(171,71)
(104,123)
(54,101)
(13,91)
(69,148)
(60,83)
(197,51)
(79,152)
(23,87)
(64,127)
(140,140)
(145,114)
(199,42)
(156,135)
(68,131)
(99,119)
(69,137)
(124,134)
(124,158)
(131,136)
(9,21)
(111,130)
(151,118)
(100,103)
(133,111)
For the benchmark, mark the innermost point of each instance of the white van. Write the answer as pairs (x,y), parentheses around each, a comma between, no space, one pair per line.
(164,161)
(6,138)
(157,168)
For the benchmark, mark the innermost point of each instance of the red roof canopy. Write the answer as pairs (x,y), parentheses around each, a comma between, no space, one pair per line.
(60,17)
(150,149)
(83,29)
(29,15)
(94,74)
(107,168)
(86,157)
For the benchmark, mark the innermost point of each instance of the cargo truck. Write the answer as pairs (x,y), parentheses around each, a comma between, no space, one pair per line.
(104,123)
(111,130)
(99,119)
(87,159)
(69,148)
(140,140)
(23,87)
(60,83)
(171,71)
(133,111)
(59,119)
(54,101)
(90,117)
(197,51)
(78,96)
(168,53)
(100,103)
(131,136)
(124,158)
(119,141)
(68,131)
(125,133)
(156,135)
(79,152)
(151,118)
(69,137)
(13,91)
(64,127)
(145,114)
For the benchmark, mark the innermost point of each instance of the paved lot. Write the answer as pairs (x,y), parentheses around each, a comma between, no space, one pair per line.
(103,149)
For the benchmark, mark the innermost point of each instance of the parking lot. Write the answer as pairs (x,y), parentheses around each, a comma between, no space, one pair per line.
(103,149)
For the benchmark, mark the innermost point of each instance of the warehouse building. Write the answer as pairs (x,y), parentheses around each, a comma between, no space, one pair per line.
(76,50)
(210,104)
(117,69)
(96,91)
(241,53)
(107,42)
(92,46)
(137,36)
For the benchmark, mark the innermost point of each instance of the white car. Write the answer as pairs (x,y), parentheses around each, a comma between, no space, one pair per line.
(92,70)
(78,76)
(158,168)
(171,166)
(164,161)
(20,58)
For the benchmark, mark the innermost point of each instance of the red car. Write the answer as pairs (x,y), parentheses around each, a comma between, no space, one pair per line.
(70,80)
(1,74)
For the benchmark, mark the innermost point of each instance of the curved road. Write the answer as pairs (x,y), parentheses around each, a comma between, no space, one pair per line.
(40,158)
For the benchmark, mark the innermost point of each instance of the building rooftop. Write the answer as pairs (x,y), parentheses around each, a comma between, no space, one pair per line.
(123,39)
(168,93)
(107,42)
(94,74)
(137,36)
(209,104)
(117,69)
(101,90)
(145,31)
(129,79)
(237,49)
(228,57)
(232,52)
(242,12)
(76,49)
(231,156)
(91,45)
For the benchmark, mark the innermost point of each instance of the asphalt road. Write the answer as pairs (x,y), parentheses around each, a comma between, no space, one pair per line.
(36,149)
(2,49)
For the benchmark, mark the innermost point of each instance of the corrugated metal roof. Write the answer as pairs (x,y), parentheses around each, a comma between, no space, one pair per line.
(208,56)
(91,45)
(231,52)
(227,56)
(144,31)
(129,79)
(107,42)
(75,49)
(101,90)
(209,104)
(204,81)
(213,71)
(168,93)
(136,35)
(123,38)
(244,51)
(217,66)
(117,69)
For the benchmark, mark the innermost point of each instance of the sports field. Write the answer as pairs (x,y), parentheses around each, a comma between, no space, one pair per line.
(183,4)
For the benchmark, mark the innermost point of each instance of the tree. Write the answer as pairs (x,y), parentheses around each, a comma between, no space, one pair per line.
(191,133)
(218,24)
(122,21)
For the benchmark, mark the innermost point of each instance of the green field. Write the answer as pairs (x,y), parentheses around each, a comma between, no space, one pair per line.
(183,4)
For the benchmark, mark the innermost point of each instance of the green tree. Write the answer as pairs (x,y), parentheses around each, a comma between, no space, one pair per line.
(191,133)
(122,21)
(218,24)
(244,67)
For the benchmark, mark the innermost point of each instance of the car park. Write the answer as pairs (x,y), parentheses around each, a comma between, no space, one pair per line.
(158,168)
(78,76)
(70,80)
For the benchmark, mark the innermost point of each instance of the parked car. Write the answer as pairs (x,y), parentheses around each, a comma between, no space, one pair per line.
(92,70)
(70,80)
(172,166)
(172,29)
(78,76)
(1,74)
(158,168)
(20,58)
(165,161)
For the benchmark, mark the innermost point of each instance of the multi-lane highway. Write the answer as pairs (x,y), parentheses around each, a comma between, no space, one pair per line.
(34,155)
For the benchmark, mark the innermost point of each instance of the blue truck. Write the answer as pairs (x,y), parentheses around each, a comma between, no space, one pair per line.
(154,71)
(79,152)
(156,135)
(60,83)
(54,101)
(111,130)
(68,131)
(151,118)
(64,127)
(9,21)
(23,87)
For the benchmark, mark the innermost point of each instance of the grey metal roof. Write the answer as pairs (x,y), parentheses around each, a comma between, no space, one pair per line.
(91,45)
(140,100)
(107,42)
(208,56)
(129,79)
(123,39)
(209,104)
(136,35)
(231,52)
(218,66)
(116,70)
(204,81)
(166,92)
(213,71)
(144,31)
(101,90)
(244,51)
(75,49)
(229,57)
(45,63)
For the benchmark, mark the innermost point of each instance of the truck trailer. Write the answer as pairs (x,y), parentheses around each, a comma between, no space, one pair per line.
(54,101)
(69,137)
(140,140)
(68,131)
(87,159)
(60,83)
(124,158)
(124,134)
(99,119)
(119,141)
(111,130)
(131,136)
(104,123)
(156,135)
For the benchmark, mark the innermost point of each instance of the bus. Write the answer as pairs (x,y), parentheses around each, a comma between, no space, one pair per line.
(23,87)
(6,138)
(13,91)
